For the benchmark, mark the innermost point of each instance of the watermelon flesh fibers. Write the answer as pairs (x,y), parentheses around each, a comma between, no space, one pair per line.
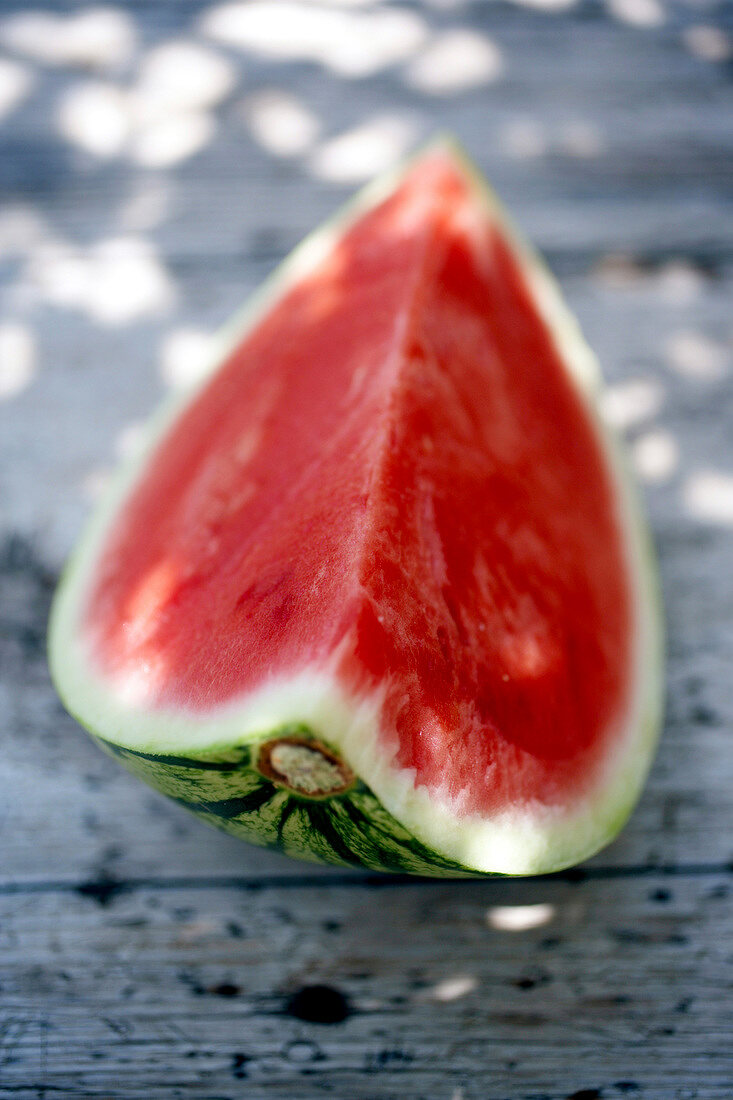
(395,485)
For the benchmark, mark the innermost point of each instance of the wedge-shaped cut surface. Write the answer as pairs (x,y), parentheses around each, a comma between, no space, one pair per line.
(379,592)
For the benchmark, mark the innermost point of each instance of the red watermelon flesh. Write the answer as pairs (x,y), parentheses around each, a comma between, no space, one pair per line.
(394,478)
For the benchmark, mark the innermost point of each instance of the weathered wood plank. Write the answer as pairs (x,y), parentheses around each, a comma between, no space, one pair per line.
(180,992)
(145,956)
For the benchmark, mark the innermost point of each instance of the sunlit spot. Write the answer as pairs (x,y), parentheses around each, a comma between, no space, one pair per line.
(59,273)
(349,42)
(324,286)
(362,152)
(160,120)
(528,654)
(95,483)
(172,139)
(581,139)
(95,116)
(630,403)
(15,83)
(137,682)
(445,5)
(150,595)
(17,359)
(708,496)
(638,13)
(180,77)
(185,356)
(280,123)
(519,918)
(97,38)
(129,440)
(695,355)
(708,43)
(455,61)
(547,5)
(679,282)
(656,456)
(116,281)
(246,446)
(523,138)
(147,207)
(21,228)
(452,989)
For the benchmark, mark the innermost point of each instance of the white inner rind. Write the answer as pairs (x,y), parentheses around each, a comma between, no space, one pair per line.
(527,839)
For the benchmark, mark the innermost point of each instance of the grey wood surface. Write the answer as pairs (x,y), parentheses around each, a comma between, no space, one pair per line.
(144,956)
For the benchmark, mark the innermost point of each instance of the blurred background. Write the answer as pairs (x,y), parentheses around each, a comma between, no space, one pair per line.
(157,159)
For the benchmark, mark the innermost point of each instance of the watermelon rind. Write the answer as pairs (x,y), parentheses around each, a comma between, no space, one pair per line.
(383,821)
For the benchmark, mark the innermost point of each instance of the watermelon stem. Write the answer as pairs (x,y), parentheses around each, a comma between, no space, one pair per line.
(305,766)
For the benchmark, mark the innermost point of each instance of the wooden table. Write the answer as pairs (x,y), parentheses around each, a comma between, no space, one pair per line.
(144,956)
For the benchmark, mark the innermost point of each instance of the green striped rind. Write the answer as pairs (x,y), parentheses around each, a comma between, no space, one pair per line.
(351,829)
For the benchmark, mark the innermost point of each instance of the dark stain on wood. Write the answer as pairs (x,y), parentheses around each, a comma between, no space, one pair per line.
(239,1066)
(103,890)
(319,1004)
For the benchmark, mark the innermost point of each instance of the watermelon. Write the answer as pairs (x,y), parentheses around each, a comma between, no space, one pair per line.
(379,592)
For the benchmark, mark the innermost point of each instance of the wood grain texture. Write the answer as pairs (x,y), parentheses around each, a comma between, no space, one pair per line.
(194,992)
(143,956)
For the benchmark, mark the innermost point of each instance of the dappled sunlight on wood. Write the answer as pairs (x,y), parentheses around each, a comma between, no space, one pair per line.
(638,13)
(147,206)
(523,138)
(656,456)
(696,355)
(519,918)
(185,356)
(16,81)
(350,42)
(172,138)
(279,122)
(679,282)
(164,117)
(526,138)
(129,440)
(95,38)
(547,5)
(181,76)
(452,989)
(17,359)
(95,482)
(95,117)
(708,496)
(581,139)
(707,42)
(22,227)
(455,61)
(629,403)
(362,152)
(114,282)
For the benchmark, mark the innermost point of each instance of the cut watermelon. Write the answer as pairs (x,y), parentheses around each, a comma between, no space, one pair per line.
(379,592)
